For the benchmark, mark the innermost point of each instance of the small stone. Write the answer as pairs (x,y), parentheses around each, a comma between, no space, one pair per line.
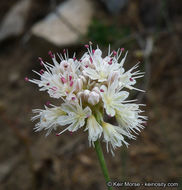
(53,28)
(14,21)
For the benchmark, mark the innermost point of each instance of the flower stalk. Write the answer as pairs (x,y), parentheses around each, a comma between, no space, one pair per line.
(100,155)
(102,162)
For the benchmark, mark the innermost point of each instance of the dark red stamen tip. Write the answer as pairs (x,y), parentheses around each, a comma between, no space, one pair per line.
(57,135)
(41,71)
(26,79)
(145,124)
(73,98)
(114,53)
(101,90)
(48,103)
(131,79)
(74,58)
(70,77)
(71,83)
(48,84)
(86,66)
(110,62)
(50,54)
(41,61)
(40,58)
(64,51)
(91,60)
(63,80)
(93,51)
(122,49)
(87,46)
(71,132)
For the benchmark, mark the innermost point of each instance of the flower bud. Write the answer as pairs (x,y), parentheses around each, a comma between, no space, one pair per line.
(93,98)
(96,89)
(79,84)
(86,94)
(84,79)
(80,95)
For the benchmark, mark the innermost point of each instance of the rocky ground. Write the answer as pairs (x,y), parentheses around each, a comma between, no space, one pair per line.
(152,34)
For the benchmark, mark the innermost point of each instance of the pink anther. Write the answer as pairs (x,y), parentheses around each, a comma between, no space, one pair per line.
(41,71)
(50,54)
(26,79)
(131,79)
(70,77)
(41,61)
(101,90)
(71,83)
(63,80)
(114,53)
(73,98)
(48,103)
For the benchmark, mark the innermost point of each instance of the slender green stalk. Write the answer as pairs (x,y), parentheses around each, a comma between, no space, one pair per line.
(102,162)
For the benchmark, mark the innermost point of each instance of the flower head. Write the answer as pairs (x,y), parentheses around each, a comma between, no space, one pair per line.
(89,87)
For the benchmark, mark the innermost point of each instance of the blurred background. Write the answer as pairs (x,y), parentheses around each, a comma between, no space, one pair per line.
(150,30)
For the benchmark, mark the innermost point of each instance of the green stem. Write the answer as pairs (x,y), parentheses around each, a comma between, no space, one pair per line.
(102,162)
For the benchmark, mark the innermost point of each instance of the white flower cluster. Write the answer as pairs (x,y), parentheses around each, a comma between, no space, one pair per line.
(89,88)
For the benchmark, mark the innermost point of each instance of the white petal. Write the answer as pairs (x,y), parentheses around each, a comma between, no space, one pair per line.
(64,120)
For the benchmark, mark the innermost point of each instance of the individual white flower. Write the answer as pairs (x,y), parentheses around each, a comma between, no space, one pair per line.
(101,67)
(50,83)
(59,80)
(128,79)
(94,129)
(129,119)
(112,97)
(98,68)
(48,118)
(76,116)
(113,136)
